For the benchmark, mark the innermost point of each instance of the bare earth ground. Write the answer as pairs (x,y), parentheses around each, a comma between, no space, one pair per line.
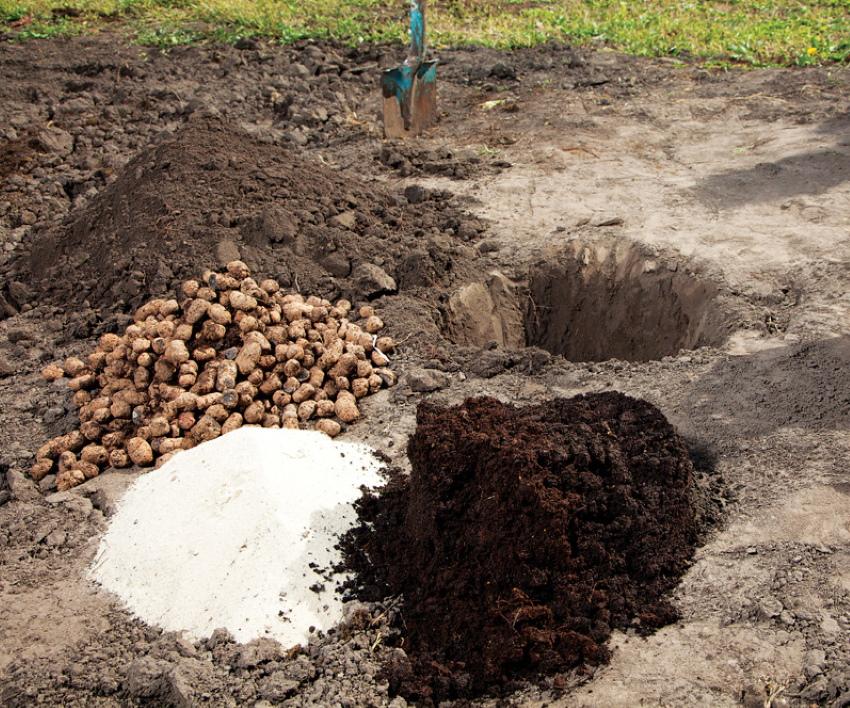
(638,167)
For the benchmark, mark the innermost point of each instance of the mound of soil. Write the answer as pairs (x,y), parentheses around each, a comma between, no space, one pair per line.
(525,535)
(212,193)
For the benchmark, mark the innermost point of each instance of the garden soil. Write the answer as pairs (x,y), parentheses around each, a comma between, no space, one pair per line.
(212,193)
(736,179)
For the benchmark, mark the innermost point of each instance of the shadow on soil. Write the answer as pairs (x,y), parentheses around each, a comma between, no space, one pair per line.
(806,386)
(809,173)
(839,125)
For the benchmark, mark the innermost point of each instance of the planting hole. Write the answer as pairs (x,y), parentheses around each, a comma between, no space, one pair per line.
(592,303)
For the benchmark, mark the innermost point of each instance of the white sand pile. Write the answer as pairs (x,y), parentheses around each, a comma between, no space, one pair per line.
(224,535)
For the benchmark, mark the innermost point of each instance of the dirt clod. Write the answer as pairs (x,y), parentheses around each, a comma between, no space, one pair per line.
(525,535)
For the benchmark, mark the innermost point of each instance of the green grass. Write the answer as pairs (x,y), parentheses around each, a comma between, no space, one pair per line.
(750,32)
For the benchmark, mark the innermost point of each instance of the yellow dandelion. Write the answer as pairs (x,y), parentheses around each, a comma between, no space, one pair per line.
(811,51)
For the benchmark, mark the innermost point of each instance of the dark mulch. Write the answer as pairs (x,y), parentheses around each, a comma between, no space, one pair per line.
(524,536)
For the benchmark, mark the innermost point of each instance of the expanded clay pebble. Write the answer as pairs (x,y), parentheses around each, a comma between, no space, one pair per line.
(232,353)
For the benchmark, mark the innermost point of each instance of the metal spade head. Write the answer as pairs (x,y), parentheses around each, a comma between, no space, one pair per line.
(410,90)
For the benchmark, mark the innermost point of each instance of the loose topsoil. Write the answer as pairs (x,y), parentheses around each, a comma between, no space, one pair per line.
(212,193)
(525,535)
(742,169)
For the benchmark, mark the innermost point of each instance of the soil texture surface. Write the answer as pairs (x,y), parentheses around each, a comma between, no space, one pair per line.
(213,192)
(708,209)
(523,536)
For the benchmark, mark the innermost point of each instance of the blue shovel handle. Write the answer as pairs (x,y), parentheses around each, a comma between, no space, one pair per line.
(417,33)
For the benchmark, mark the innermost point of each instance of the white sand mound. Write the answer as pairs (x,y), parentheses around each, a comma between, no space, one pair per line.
(223,535)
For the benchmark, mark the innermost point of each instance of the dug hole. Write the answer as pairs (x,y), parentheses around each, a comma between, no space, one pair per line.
(239,533)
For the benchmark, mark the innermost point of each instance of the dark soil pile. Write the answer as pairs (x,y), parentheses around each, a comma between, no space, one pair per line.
(212,193)
(525,535)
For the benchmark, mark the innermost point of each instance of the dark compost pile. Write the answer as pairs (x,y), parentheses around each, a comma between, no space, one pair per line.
(524,536)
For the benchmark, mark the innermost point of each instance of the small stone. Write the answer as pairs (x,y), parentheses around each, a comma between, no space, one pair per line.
(145,677)
(56,538)
(606,220)
(277,687)
(787,618)
(258,651)
(427,380)
(345,220)
(770,607)
(372,281)
(54,140)
(20,487)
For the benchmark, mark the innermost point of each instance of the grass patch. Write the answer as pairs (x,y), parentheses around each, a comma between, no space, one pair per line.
(751,32)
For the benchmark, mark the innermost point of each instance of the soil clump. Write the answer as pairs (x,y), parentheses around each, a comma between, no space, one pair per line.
(213,193)
(524,536)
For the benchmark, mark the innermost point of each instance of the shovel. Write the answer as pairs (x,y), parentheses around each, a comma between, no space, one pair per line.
(410,90)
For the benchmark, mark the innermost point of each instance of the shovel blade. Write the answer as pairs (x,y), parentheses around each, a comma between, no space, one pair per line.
(410,99)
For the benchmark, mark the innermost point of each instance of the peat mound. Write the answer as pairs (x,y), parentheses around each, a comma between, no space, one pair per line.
(524,536)
(213,193)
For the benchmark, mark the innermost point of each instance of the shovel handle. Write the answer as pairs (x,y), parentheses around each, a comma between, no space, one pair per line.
(417,32)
